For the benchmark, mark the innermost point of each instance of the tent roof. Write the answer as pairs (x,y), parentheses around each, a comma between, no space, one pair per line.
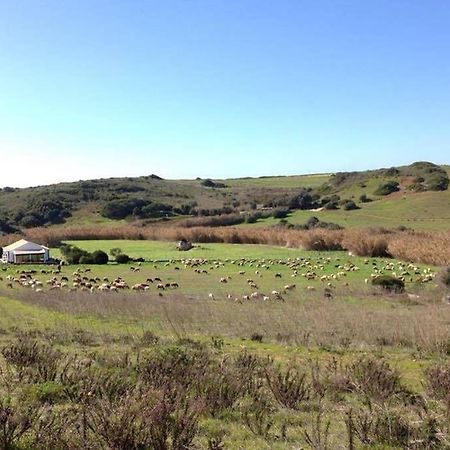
(25,246)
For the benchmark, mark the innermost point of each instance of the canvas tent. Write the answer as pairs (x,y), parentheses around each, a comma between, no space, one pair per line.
(24,251)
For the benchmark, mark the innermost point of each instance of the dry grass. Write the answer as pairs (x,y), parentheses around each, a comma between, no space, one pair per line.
(311,320)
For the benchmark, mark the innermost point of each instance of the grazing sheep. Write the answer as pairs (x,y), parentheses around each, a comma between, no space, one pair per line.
(289,287)
(211,296)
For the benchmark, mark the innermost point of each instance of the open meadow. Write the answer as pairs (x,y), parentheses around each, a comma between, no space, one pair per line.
(226,346)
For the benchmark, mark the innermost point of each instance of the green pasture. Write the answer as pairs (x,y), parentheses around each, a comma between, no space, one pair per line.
(421,211)
(269,267)
(295,181)
(304,330)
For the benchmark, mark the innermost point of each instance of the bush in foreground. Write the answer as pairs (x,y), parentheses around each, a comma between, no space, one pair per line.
(391,284)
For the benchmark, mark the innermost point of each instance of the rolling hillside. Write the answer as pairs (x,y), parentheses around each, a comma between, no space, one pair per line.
(414,196)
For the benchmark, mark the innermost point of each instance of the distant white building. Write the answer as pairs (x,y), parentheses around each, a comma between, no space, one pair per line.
(23,252)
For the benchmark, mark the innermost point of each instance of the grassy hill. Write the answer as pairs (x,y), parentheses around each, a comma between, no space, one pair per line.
(414,196)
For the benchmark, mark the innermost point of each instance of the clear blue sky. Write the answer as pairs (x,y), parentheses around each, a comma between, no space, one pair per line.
(99,88)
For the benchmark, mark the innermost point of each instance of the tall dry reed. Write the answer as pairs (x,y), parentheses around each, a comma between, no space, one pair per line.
(424,247)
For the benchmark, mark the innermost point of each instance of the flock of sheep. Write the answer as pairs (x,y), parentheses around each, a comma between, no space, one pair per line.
(318,272)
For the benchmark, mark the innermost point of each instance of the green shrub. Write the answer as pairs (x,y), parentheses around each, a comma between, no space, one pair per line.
(438,183)
(331,205)
(364,199)
(99,257)
(73,254)
(387,188)
(280,213)
(389,283)
(210,183)
(350,205)
(122,258)
(86,259)
(119,209)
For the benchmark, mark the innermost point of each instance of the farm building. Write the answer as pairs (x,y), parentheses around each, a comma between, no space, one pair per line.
(24,251)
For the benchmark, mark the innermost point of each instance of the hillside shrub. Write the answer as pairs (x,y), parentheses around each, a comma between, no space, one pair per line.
(252,218)
(391,172)
(390,283)
(350,205)
(154,210)
(212,184)
(31,220)
(364,199)
(280,213)
(6,227)
(304,200)
(313,223)
(438,182)
(119,209)
(387,188)
(331,205)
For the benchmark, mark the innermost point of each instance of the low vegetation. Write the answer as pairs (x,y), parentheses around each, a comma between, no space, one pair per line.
(188,394)
(75,255)
(150,198)
(223,347)
(310,333)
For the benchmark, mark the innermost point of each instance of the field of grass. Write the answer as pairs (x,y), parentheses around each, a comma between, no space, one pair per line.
(296,181)
(419,211)
(222,371)
(158,250)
